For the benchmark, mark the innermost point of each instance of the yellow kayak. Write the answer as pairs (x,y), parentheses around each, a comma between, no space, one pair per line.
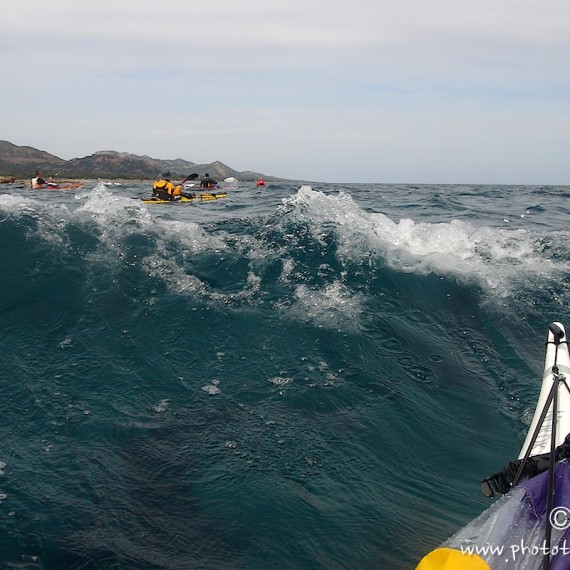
(187,198)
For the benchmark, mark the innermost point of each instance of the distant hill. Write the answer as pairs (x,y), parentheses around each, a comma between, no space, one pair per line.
(23,161)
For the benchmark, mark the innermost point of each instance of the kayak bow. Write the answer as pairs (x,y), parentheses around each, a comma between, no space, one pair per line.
(528,528)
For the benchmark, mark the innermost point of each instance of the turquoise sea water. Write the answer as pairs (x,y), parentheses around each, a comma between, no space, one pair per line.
(293,377)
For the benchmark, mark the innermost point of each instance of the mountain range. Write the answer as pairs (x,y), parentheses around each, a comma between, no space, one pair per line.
(23,161)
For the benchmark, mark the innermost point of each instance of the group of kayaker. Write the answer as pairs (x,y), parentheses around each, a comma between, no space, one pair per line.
(165,189)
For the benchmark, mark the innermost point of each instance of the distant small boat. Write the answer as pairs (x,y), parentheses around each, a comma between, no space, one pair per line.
(261,182)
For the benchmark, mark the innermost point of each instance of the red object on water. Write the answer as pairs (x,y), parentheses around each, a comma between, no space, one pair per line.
(261,182)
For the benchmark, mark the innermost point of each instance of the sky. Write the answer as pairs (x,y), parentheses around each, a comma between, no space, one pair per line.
(394,91)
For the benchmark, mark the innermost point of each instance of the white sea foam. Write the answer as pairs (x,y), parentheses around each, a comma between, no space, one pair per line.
(280,381)
(211,389)
(110,209)
(162,406)
(331,306)
(119,216)
(14,203)
(494,257)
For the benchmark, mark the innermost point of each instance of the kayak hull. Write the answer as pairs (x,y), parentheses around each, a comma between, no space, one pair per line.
(67,186)
(200,197)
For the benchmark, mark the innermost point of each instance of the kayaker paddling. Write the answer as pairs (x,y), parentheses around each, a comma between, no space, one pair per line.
(38,181)
(165,189)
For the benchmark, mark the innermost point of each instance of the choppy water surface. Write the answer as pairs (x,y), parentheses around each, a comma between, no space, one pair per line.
(293,377)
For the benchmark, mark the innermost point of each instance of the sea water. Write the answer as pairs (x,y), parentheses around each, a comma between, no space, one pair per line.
(295,377)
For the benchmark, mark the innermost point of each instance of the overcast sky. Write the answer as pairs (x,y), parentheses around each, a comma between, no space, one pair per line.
(418,91)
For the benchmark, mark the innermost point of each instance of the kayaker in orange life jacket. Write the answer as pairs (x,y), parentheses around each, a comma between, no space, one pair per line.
(164,189)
